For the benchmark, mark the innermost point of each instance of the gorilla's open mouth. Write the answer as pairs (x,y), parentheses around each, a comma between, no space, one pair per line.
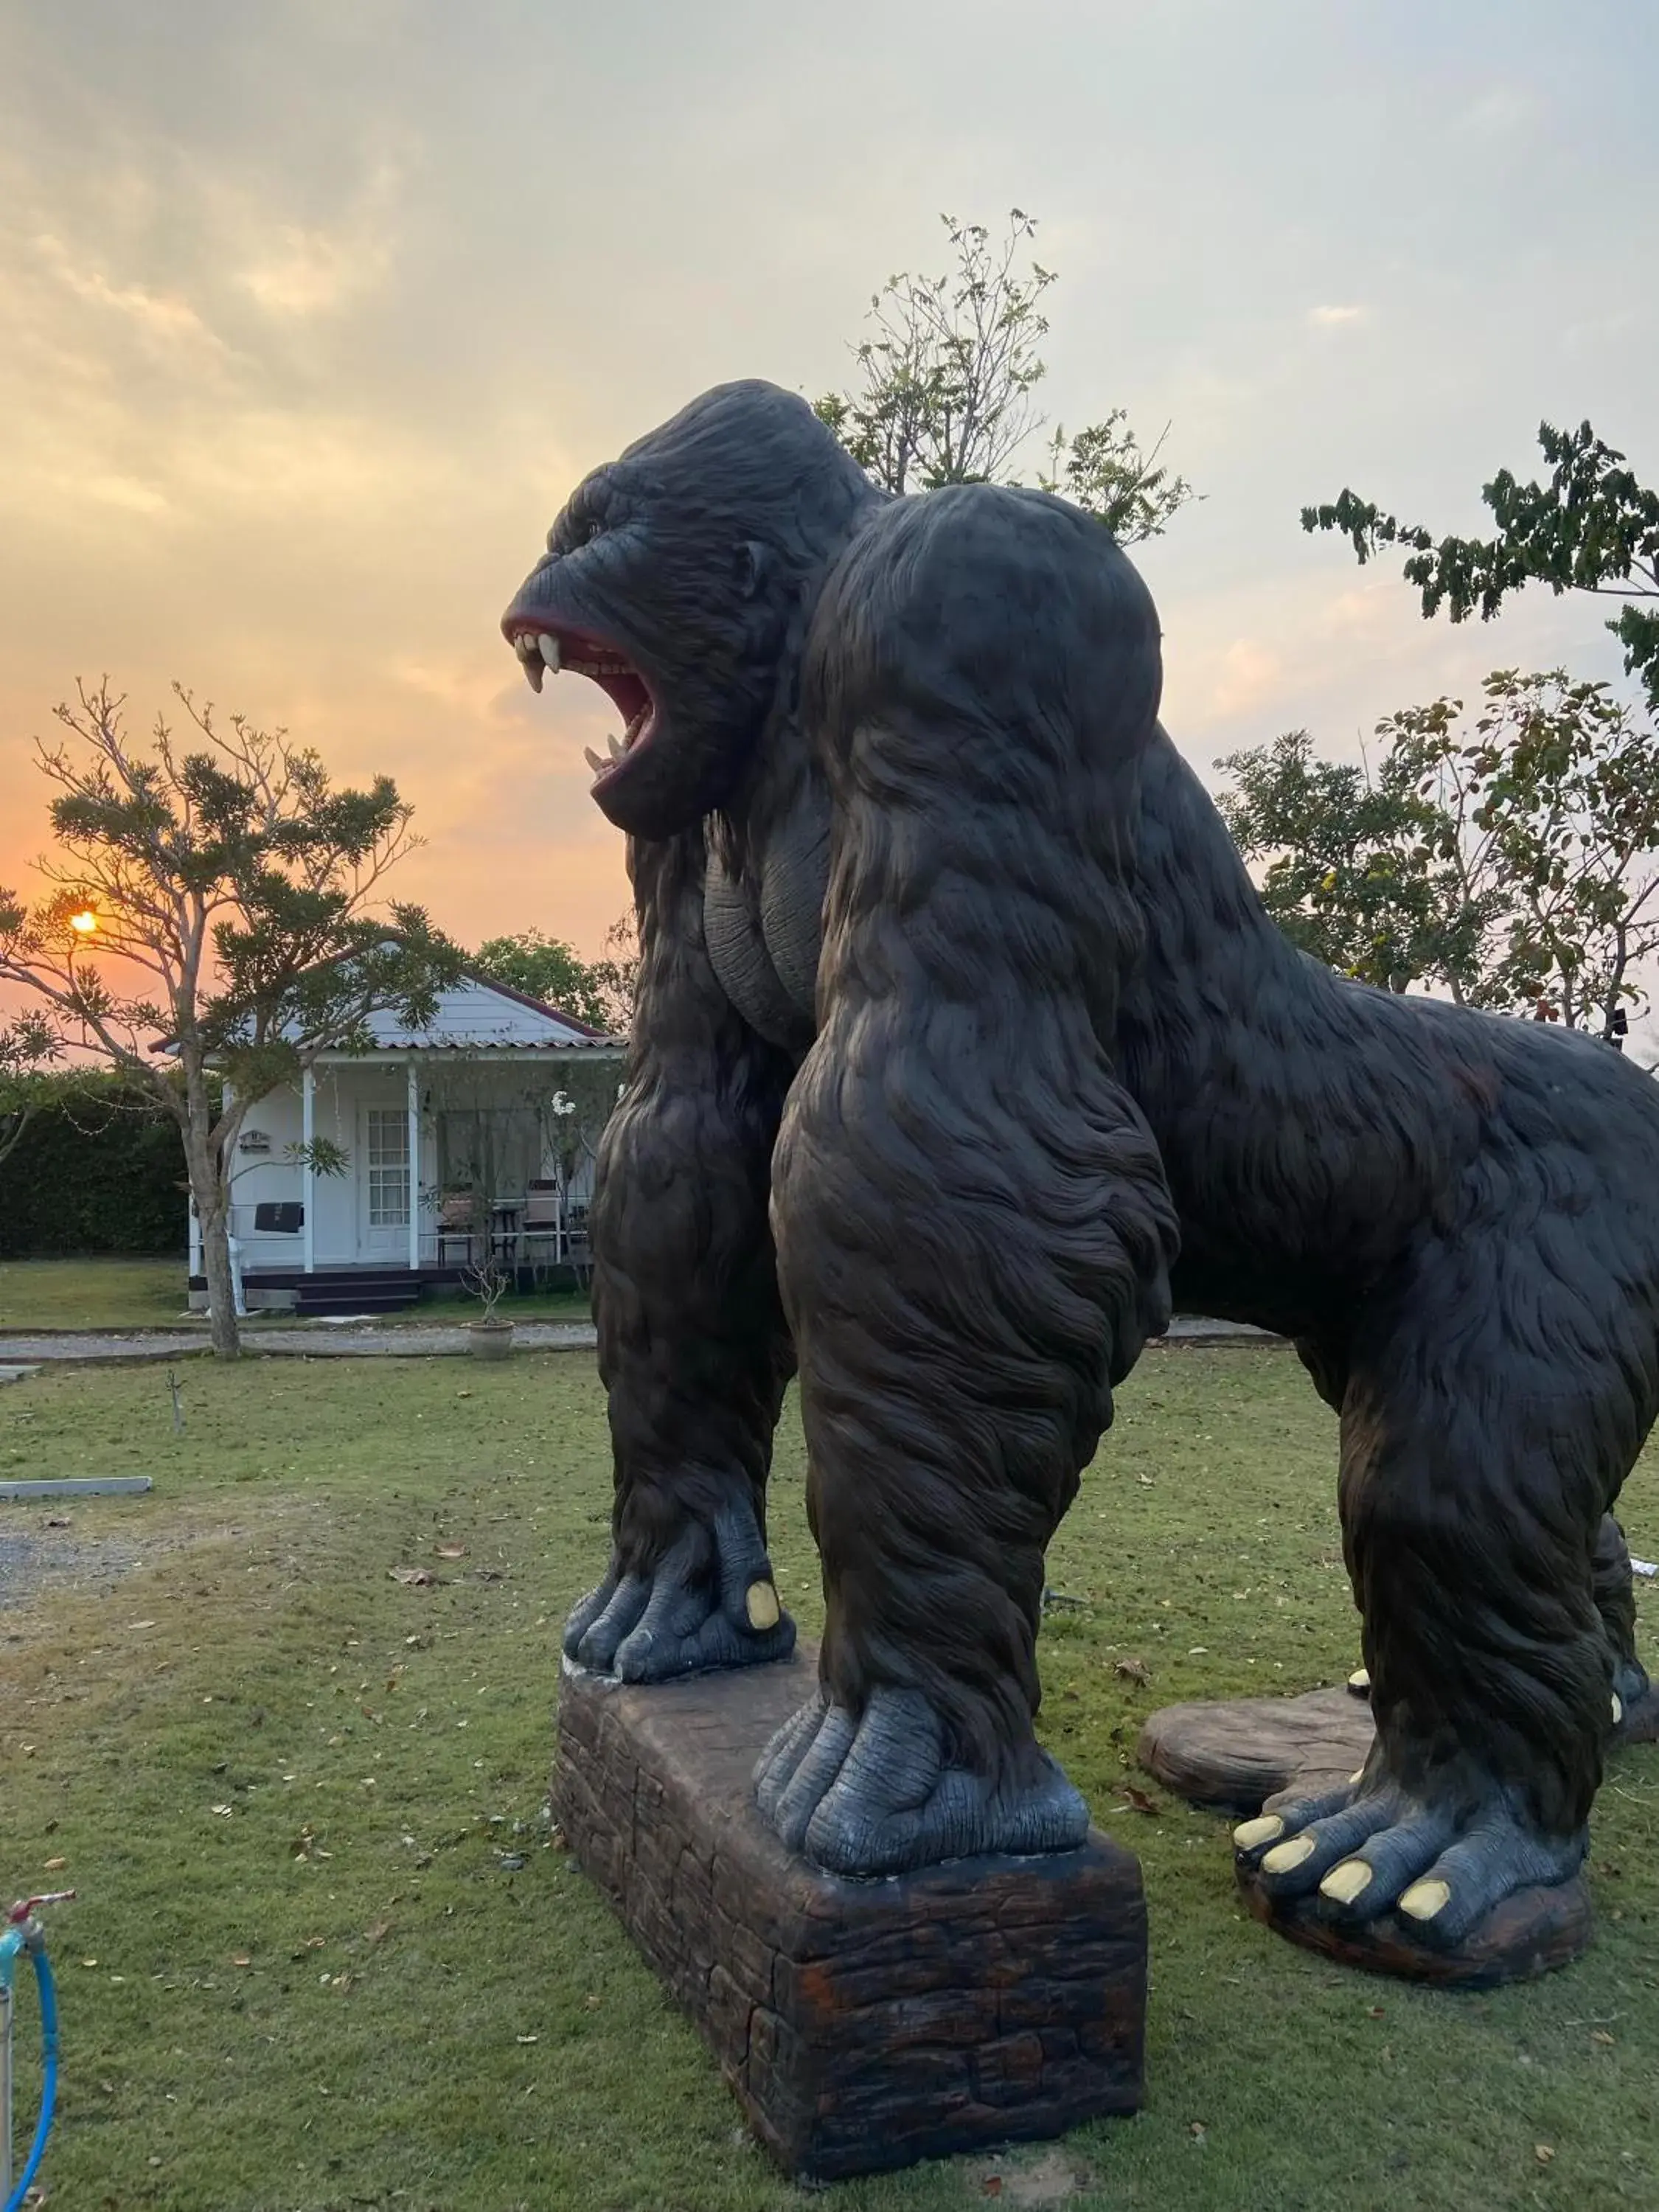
(576,653)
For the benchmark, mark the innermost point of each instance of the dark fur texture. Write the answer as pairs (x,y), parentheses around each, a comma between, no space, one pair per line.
(945,944)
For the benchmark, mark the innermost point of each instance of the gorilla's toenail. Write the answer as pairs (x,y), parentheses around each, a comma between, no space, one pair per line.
(761,1606)
(1261,1830)
(1347,1882)
(1424,1898)
(1283,1856)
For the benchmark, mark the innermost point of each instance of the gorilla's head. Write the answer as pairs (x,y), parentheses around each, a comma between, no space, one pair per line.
(678,578)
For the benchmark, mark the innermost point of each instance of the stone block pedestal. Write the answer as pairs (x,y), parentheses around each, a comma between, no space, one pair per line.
(863,2025)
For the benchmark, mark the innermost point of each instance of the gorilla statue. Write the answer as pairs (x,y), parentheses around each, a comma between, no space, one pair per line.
(965,1052)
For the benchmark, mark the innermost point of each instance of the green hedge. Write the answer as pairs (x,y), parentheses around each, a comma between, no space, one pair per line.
(99,1169)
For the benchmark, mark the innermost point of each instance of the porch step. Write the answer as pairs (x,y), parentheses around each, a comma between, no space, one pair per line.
(319,1295)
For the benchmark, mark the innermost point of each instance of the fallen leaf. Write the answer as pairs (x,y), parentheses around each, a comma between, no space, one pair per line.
(992,2185)
(378,1933)
(1195,2128)
(88,1962)
(1140,1801)
(1133,1670)
(413,1577)
(527,2039)
(56,1866)
(1542,2153)
(591,2001)
(1601,2035)
(241,1958)
(223,1811)
(450,1551)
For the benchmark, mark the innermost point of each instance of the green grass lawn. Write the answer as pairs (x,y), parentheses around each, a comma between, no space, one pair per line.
(50,1294)
(122,1294)
(326,1955)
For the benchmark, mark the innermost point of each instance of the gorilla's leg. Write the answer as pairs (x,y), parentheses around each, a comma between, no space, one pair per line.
(1485,1431)
(973,1228)
(693,1348)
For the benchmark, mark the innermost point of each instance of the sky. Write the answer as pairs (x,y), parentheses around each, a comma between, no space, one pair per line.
(313,311)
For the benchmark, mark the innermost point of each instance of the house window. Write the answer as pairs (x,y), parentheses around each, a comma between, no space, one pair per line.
(388,1167)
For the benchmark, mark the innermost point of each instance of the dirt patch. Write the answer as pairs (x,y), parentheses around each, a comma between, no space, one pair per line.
(49,1553)
(1032,2179)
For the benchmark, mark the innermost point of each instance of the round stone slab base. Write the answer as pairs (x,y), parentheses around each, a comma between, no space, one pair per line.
(1236,1754)
(1530,1934)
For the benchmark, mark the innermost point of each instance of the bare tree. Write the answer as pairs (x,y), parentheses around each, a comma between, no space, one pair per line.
(207,926)
(948,373)
(25,1047)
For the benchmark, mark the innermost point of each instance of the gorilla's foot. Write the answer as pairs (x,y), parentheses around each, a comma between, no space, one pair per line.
(710,1602)
(1635,1705)
(875,1796)
(1383,1880)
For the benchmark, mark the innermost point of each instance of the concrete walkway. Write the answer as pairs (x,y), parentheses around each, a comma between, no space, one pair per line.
(318,1342)
(394,1341)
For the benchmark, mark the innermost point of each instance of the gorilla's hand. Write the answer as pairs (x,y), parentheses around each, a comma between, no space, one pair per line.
(710,1601)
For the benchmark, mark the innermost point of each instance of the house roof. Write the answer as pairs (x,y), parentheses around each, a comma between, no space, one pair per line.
(478,1014)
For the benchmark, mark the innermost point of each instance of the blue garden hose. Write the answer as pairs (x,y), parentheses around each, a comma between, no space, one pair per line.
(27,1935)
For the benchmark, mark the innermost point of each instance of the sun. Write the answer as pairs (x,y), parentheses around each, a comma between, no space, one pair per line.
(84,923)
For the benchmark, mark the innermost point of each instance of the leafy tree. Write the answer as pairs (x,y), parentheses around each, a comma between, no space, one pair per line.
(1550,810)
(617,977)
(215,900)
(1352,876)
(947,375)
(600,991)
(26,1046)
(1592,527)
(547,969)
(1514,863)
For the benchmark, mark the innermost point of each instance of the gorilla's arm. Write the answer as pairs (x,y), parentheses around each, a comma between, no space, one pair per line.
(693,1352)
(973,1228)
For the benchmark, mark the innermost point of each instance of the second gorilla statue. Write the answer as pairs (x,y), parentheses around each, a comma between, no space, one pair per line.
(964,1053)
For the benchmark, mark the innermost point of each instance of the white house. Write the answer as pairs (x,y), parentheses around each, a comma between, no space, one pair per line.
(471,1139)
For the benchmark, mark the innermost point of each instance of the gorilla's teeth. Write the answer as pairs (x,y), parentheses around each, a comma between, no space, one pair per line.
(597,765)
(533,674)
(549,648)
(616,748)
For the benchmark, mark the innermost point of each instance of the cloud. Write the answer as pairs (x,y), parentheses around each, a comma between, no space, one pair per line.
(1249,675)
(1501,110)
(298,272)
(1335,319)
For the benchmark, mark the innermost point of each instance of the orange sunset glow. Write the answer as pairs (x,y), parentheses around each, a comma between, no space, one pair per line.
(313,315)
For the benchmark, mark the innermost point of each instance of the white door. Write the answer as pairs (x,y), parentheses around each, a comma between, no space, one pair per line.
(383,1229)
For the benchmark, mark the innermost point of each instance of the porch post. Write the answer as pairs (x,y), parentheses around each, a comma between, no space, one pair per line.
(413,1167)
(307,1176)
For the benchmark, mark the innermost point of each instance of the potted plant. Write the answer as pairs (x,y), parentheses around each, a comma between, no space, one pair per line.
(490,1337)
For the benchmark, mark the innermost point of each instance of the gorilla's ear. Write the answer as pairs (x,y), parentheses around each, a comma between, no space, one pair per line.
(752,563)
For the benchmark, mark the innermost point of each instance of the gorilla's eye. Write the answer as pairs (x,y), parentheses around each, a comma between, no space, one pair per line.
(584,517)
